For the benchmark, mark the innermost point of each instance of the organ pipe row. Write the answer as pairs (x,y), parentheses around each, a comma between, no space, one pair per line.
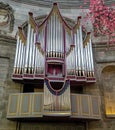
(28,58)
(54,41)
(80,60)
(53,38)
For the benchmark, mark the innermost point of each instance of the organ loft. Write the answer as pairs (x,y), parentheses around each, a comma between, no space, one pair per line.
(53,63)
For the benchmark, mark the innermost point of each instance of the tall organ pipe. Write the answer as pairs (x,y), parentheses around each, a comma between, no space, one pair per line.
(92,62)
(51,38)
(56,31)
(62,40)
(16,55)
(48,38)
(81,49)
(30,50)
(27,47)
(58,36)
(78,49)
(36,59)
(74,57)
(33,54)
(89,59)
(18,63)
(85,61)
(21,58)
(76,54)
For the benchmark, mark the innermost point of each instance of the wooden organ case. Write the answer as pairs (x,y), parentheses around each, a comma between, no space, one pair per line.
(50,54)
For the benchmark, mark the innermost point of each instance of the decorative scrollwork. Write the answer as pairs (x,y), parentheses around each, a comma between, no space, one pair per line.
(6,16)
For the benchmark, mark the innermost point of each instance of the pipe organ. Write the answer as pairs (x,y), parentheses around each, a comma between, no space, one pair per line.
(52,52)
(53,49)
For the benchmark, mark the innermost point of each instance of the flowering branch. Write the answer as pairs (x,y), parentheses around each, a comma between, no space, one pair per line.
(102,17)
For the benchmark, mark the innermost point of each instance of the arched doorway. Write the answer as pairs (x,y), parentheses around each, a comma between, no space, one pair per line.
(108,82)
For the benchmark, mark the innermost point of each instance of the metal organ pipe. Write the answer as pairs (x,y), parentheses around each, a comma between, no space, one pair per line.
(23,60)
(76,54)
(40,38)
(74,57)
(78,49)
(30,50)
(56,31)
(19,56)
(51,38)
(81,50)
(70,56)
(48,38)
(73,61)
(59,38)
(16,55)
(36,60)
(62,41)
(39,59)
(27,48)
(91,54)
(67,41)
(54,37)
(87,60)
(33,54)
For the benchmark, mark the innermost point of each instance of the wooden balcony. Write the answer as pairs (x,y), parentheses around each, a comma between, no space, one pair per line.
(30,105)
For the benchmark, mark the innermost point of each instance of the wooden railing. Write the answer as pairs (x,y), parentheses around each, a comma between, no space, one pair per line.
(30,105)
(25,105)
(85,106)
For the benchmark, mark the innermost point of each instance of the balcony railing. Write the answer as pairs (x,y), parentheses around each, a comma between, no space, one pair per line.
(30,105)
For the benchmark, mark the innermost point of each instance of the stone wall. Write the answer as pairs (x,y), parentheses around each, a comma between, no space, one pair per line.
(105,76)
(102,59)
(7,86)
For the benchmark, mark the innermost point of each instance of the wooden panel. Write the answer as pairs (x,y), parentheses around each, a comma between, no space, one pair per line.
(84,105)
(37,104)
(13,105)
(31,105)
(25,104)
(75,104)
(95,106)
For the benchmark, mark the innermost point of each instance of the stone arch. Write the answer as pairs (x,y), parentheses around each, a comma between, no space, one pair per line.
(100,68)
(108,83)
(108,78)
